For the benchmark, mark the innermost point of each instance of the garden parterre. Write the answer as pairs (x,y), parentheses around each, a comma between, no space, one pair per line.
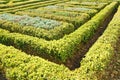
(18,65)
(76,19)
(31,67)
(63,48)
(26,20)
(12,8)
(80,14)
(36,26)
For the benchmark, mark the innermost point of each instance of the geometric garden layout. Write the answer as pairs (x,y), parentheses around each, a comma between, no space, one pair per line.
(59,40)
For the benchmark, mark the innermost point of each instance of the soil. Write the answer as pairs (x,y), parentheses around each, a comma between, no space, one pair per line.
(74,62)
(2,77)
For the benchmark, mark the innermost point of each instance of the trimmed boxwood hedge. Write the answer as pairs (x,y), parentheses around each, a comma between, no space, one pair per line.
(50,14)
(78,9)
(29,6)
(60,49)
(19,66)
(19,4)
(101,53)
(55,33)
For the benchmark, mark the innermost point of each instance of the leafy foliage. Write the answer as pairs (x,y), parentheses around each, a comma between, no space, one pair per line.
(18,65)
(77,19)
(26,20)
(63,48)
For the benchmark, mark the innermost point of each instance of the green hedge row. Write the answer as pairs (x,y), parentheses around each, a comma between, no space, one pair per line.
(60,49)
(93,3)
(3,2)
(19,4)
(91,12)
(101,53)
(56,33)
(24,5)
(18,65)
(30,6)
(15,1)
(54,14)
(97,6)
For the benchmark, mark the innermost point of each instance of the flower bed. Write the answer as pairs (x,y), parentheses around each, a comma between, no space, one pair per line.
(92,5)
(77,19)
(26,20)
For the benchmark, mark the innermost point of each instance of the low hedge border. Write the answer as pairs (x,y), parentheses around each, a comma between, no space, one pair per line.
(101,53)
(76,21)
(30,6)
(97,6)
(25,5)
(3,2)
(60,49)
(55,33)
(19,66)
(100,4)
(20,3)
(91,12)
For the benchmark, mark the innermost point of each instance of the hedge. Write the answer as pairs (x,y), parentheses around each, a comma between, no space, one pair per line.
(59,49)
(91,12)
(97,6)
(101,53)
(18,65)
(93,3)
(19,4)
(30,6)
(3,2)
(55,33)
(50,14)
(24,5)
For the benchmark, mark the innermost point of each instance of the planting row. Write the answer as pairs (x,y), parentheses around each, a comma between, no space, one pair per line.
(2,2)
(17,65)
(59,12)
(58,49)
(19,3)
(77,15)
(30,21)
(37,27)
(26,6)
(91,5)
(9,1)
(16,1)
(101,53)
(76,19)
(76,8)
